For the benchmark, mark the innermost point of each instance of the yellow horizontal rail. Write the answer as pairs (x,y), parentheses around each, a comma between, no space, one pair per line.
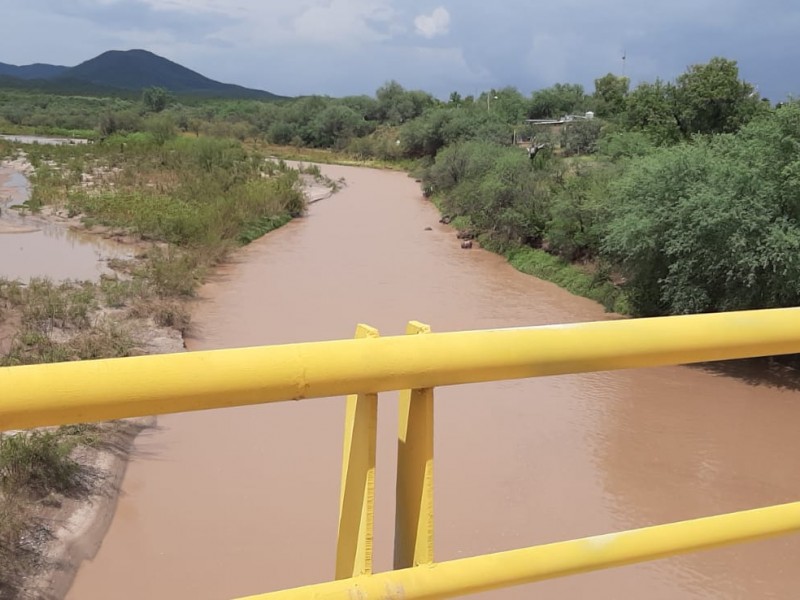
(53,394)
(528,565)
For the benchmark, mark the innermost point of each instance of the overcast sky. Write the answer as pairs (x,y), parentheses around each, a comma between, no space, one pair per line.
(341,47)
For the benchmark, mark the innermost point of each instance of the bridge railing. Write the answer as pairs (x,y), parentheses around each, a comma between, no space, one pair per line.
(55,394)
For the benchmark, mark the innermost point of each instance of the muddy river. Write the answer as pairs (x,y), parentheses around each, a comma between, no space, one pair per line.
(235,502)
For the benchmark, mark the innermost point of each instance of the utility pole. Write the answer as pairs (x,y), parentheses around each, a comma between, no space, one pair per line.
(624,56)
(490,94)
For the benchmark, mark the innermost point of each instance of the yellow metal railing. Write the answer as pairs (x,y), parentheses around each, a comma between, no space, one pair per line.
(54,394)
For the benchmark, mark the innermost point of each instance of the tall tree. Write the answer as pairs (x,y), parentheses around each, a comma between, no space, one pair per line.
(650,109)
(557,101)
(397,105)
(711,98)
(610,92)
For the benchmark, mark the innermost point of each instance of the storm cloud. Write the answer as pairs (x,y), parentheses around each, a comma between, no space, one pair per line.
(340,47)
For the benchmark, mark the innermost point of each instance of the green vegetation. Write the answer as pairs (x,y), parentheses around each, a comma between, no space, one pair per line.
(188,201)
(202,196)
(680,192)
(682,199)
(37,463)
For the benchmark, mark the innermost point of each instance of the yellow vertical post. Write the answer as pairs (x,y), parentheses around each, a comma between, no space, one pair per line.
(413,531)
(357,499)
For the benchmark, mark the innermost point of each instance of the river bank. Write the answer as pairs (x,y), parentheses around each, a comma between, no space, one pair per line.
(65,529)
(578,279)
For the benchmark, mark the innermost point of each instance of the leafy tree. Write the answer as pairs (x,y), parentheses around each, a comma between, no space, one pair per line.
(509,105)
(580,137)
(334,126)
(281,132)
(155,99)
(365,106)
(650,109)
(579,214)
(125,121)
(624,144)
(610,92)
(397,105)
(439,127)
(424,135)
(557,101)
(712,225)
(710,98)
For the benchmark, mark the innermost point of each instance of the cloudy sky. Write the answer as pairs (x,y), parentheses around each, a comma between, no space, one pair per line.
(341,47)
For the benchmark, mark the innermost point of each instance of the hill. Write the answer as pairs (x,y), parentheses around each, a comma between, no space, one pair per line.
(34,71)
(127,71)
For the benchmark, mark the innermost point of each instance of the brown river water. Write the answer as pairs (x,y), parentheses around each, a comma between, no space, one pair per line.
(31,246)
(233,502)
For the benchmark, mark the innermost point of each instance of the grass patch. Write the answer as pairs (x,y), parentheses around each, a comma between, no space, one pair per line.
(164,312)
(36,467)
(334,157)
(262,226)
(64,305)
(37,463)
(568,276)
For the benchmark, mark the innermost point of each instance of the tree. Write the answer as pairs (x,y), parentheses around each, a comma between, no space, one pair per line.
(281,132)
(712,225)
(624,144)
(610,92)
(155,99)
(578,213)
(509,105)
(365,106)
(710,98)
(580,137)
(397,105)
(649,108)
(557,101)
(334,126)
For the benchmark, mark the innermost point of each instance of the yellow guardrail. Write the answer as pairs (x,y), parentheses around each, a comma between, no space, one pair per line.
(33,396)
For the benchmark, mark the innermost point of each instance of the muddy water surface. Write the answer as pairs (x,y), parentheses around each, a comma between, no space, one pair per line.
(235,502)
(31,246)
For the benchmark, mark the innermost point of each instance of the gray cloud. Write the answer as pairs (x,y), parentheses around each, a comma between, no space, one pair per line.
(352,46)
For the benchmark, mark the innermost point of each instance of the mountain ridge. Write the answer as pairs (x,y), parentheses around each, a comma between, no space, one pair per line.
(34,71)
(127,70)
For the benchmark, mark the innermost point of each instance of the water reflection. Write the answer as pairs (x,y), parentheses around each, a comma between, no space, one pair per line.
(31,246)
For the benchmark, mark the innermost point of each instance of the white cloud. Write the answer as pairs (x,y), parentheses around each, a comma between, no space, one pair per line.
(436,23)
(344,21)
